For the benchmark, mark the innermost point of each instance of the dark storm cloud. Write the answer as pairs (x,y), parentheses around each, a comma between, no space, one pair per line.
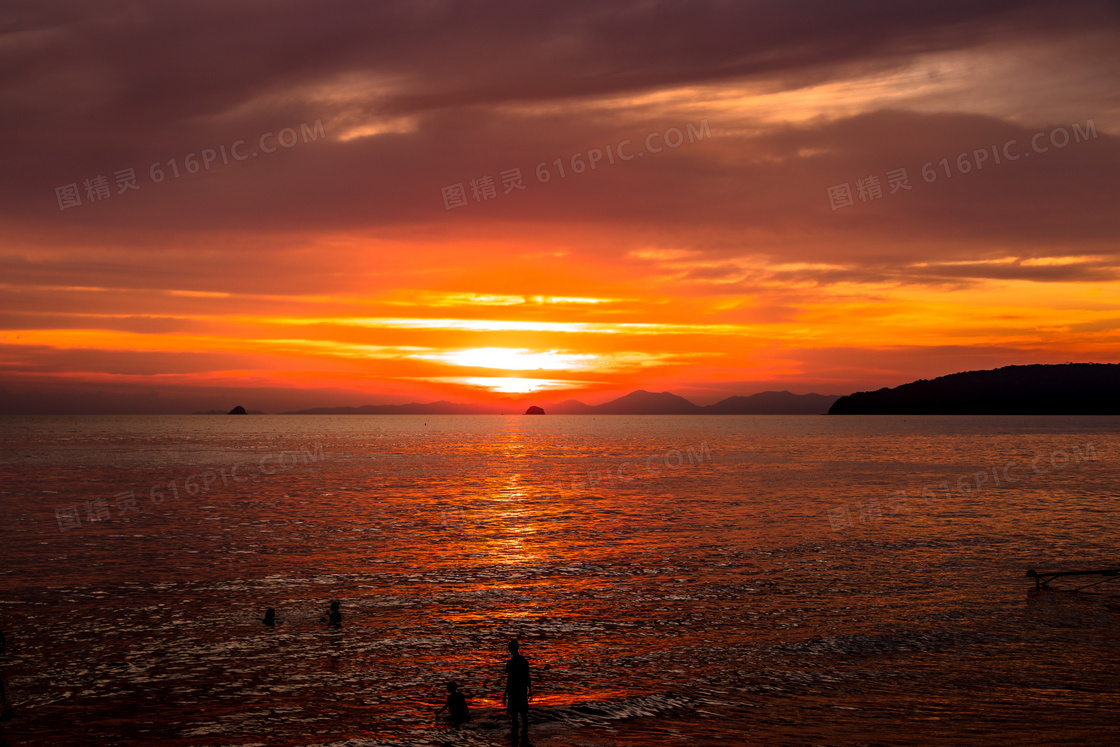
(87,89)
(166,60)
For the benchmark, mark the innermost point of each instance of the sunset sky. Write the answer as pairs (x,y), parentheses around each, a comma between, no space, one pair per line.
(359,232)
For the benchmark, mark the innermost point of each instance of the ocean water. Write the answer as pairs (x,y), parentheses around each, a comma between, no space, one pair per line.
(673,580)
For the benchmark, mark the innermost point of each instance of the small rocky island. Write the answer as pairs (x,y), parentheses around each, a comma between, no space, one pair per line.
(239,410)
(534,410)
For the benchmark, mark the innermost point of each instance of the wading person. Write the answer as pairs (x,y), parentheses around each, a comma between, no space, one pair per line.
(333,618)
(518,693)
(456,706)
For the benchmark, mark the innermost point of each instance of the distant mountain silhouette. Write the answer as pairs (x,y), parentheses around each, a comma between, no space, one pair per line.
(570,407)
(636,403)
(774,403)
(1070,389)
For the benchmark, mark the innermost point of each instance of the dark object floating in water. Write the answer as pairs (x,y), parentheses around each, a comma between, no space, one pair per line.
(239,410)
(534,410)
(1042,579)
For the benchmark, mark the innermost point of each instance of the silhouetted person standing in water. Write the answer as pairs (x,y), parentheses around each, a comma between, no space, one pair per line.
(269,618)
(518,693)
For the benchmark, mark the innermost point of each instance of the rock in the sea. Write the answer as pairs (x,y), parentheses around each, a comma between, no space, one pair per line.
(534,410)
(239,410)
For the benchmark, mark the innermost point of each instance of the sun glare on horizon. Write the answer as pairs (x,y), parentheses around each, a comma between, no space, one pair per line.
(506,384)
(511,359)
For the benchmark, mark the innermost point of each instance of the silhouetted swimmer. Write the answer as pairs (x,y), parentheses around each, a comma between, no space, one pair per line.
(334,616)
(456,706)
(269,618)
(518,693)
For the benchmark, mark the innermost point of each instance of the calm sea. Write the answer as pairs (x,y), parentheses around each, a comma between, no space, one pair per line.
(673,580)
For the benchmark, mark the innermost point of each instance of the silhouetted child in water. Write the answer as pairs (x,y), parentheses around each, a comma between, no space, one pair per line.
(518,692)
(334,616)
(456,706)
(269,618)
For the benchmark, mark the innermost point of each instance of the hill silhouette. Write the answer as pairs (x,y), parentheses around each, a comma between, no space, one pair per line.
(1069,389)
(774,403)
(640,402)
